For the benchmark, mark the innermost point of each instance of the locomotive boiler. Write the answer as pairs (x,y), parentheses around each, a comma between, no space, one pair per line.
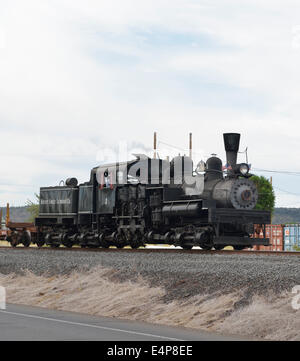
(149,200)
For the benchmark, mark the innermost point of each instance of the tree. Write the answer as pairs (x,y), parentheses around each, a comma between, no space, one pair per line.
(266,195)
(33,208)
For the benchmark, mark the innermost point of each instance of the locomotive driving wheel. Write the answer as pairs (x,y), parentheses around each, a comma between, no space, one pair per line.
(135,240)
(186,247)
(238,247)
(40,243)
(102,241)
(66,240)
(82,239)
(118,240)
(204,240)
(218,247)
(40,239)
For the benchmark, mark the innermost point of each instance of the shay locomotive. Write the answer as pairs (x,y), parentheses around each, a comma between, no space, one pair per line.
(149,200)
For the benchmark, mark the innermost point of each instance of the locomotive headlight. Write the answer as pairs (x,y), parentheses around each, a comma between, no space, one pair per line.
(244,169)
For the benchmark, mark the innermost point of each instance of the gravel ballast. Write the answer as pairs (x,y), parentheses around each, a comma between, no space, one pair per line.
(182,275)
(242,294)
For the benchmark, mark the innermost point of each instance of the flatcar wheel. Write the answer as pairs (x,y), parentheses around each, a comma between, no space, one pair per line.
(26,238)
(54,245)
(11,241)
(40,244)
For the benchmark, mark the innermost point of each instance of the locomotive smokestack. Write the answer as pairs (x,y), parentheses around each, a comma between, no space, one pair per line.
(231,142)
(191,146)
(154,145)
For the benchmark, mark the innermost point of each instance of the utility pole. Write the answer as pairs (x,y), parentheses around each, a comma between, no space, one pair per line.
(7,214)
(155,144)
(191,145)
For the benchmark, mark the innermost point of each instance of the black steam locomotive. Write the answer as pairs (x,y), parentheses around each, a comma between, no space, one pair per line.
(149,200)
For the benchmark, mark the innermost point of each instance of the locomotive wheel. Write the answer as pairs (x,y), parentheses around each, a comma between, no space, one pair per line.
(186,247)
(54,245)
(218,247)
(40,244)
(48,239)
(238,248)
(82,240)
(206,247)
(134,243)
(66,241)
(118,240)
(135,240)
(169,238)
(204,240)
(102,241)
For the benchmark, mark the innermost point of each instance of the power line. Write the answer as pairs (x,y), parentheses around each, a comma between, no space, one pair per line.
(178,148)
(288,192)
(256,169)
(277,171)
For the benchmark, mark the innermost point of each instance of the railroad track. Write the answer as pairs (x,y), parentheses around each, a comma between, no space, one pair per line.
(154,250)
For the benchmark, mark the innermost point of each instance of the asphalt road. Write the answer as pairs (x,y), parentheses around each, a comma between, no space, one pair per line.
(26,323)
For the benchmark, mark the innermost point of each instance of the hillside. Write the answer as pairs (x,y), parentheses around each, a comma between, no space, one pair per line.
(286,215)
(17,214)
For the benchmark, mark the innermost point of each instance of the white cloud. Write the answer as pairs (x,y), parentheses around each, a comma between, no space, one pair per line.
(77,76)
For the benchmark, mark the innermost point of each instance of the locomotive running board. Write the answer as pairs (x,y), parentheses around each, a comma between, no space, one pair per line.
(230,215)
(241,241)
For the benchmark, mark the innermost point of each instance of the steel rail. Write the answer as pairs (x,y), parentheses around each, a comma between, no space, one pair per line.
(155,250)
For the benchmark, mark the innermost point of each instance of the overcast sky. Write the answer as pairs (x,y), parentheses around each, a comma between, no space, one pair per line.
(78,77)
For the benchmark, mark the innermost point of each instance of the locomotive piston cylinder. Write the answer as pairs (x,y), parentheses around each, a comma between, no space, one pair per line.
(181,210)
